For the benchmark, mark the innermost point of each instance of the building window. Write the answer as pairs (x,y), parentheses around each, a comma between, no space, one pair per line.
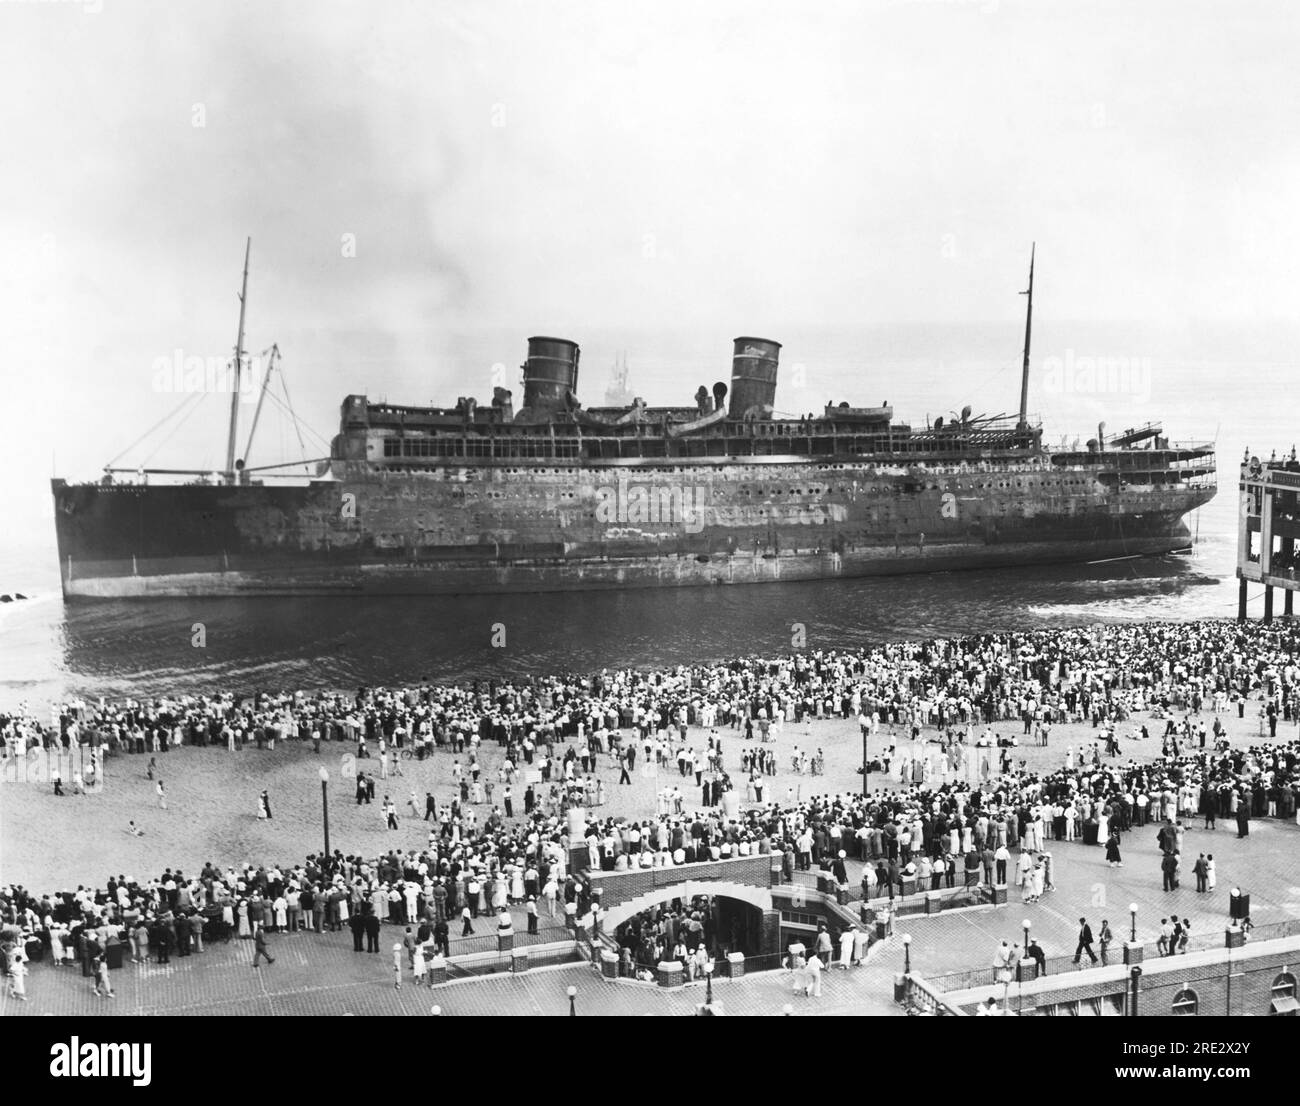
(1186,1003)
(1283,999)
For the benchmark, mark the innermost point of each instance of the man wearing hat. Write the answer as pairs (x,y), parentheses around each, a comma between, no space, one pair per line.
(532,913)
(840,871)
(372,928)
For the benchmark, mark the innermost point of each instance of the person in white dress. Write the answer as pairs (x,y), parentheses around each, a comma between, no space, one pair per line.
(846,949)
(18,977)
(418,964)
(813,984)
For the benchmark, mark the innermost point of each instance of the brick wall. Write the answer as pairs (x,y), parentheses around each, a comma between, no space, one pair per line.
(1253,972)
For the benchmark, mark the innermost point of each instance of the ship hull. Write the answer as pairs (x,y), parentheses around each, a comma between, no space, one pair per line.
(181,577)
(503,529)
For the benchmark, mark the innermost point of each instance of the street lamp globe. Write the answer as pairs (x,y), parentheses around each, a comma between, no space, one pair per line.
(324,775)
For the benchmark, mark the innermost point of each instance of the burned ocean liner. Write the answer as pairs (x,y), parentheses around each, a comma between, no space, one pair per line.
(551,496)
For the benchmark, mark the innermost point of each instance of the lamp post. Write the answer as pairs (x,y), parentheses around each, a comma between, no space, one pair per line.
(907,953)
(865,771)
(1025,926)
(573,993)
(325,808)
(1133,922)
(708,983)
(787,1010)
(1228,997)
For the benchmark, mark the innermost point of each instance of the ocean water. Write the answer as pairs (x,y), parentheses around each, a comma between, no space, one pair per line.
(49,649)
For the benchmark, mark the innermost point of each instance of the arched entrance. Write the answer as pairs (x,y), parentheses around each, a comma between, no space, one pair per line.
(724,917)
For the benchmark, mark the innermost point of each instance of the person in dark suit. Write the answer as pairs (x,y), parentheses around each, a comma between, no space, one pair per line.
(1201,870)
(840,870)
(1167,838)
(162,935)
(1085,942)
(357,924)
(372,931)
(1169,866)
(260,949)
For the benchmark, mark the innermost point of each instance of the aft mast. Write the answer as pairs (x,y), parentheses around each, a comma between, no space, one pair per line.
(1029,319)
(239,366)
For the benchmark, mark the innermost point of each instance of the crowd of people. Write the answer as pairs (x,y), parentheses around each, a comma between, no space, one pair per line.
(1105,676)
(953,794)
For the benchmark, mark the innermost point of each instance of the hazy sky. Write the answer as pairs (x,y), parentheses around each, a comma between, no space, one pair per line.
(686,168)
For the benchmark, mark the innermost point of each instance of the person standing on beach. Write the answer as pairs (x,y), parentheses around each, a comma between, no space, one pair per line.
(162,794)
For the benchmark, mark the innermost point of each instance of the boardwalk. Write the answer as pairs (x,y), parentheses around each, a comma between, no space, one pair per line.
(321,975)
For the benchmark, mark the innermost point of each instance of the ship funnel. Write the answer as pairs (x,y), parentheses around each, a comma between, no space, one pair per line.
(753,377)
(550,374)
